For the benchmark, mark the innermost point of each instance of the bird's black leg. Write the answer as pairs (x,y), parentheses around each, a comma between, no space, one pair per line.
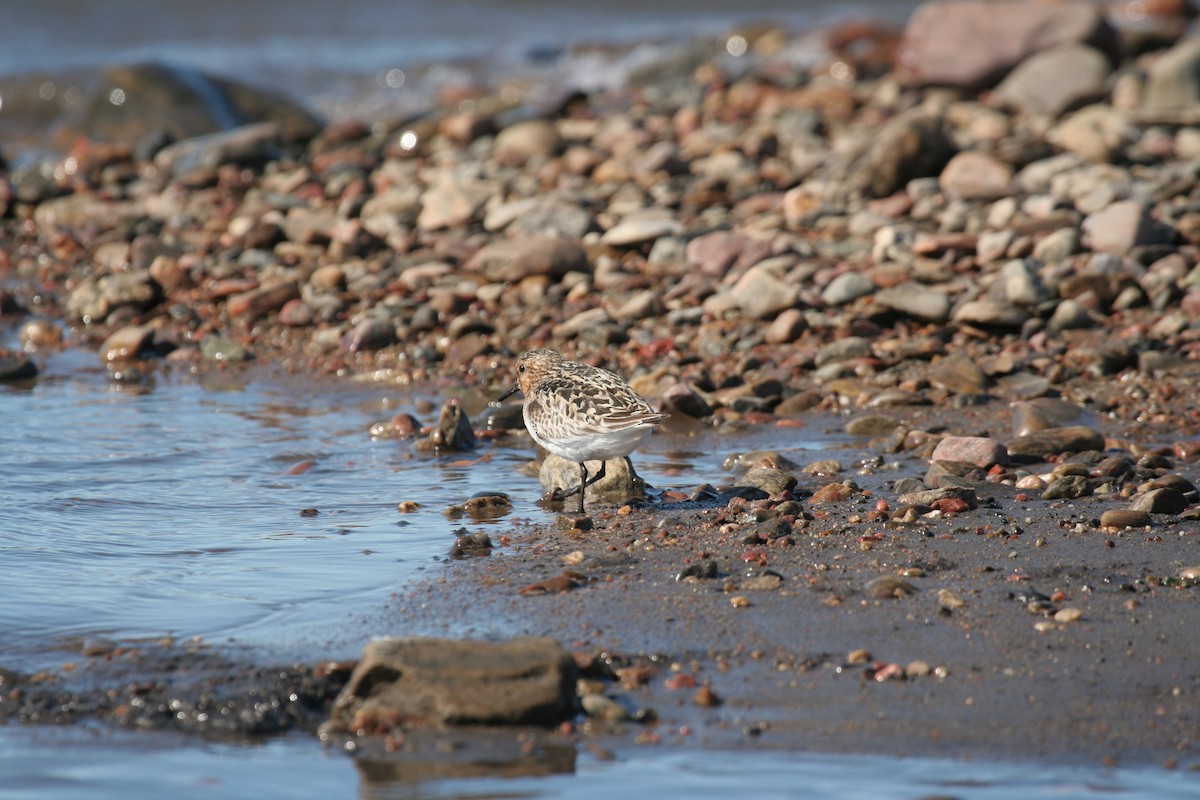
(584,482)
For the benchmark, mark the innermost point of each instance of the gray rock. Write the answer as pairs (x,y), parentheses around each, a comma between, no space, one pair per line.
(762,295)
(786,327)
(872,425)
(250,145)
(1068,487)
(974,175)
(1070,315)
(1055,80)
(1123,226)
(641,227)
(369,335)
(455,198)
(1096,133)
(753,459)
(1043,413)
(513,260)
(180,102)
(916,300)
(979,451)
(620,483)
(525,141)
(540,216)
(643,304)
(126,343)
(220,348)
(847,349)
(405,682)
(1160,501)
(958,374)
(97,298)
(1053,441)
(768,480)
(1057,246)
(993,245)
(720,252)
(1173,82)
(1020,284)
(846,288)
(990,314)
(972,43)
(913,145)
(927,497)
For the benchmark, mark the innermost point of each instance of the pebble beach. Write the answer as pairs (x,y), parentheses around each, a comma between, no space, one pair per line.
(966,246)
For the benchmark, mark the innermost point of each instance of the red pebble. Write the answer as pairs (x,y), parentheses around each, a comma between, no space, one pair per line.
(681,681)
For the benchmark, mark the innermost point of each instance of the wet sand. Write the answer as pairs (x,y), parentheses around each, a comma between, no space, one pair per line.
(994,677)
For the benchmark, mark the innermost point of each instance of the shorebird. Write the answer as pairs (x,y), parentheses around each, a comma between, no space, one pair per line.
(580,412)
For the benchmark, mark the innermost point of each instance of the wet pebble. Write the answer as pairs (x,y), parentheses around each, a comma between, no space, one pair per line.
(1051,441)
(704,569)
(889,587)
(1124,518)
(471,544)
(1068,487)
(220,348)
(770,480)
(1160,501)
(980,451)
(453,430)
(16,367)
(872,425)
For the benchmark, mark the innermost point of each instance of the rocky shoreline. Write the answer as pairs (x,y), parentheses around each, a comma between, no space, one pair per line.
(984,256)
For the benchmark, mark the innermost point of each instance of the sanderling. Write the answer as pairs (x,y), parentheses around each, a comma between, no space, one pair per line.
(580,412)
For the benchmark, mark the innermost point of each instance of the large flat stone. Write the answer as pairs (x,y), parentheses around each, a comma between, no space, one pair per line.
(419,681)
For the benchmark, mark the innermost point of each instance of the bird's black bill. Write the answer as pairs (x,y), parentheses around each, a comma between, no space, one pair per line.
(509,393)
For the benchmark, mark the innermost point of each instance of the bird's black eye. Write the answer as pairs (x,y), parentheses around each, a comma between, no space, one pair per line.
(520,368)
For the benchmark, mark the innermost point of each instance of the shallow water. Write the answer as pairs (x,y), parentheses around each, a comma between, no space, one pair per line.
(167,508)
(70,764)
(383,58)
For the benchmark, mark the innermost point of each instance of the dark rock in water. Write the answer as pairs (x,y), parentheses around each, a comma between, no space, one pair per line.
(471,544)
(504,417)
(414,681)
(453,430)
(485,505)
(127,103)
(619,484)
(16,367)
